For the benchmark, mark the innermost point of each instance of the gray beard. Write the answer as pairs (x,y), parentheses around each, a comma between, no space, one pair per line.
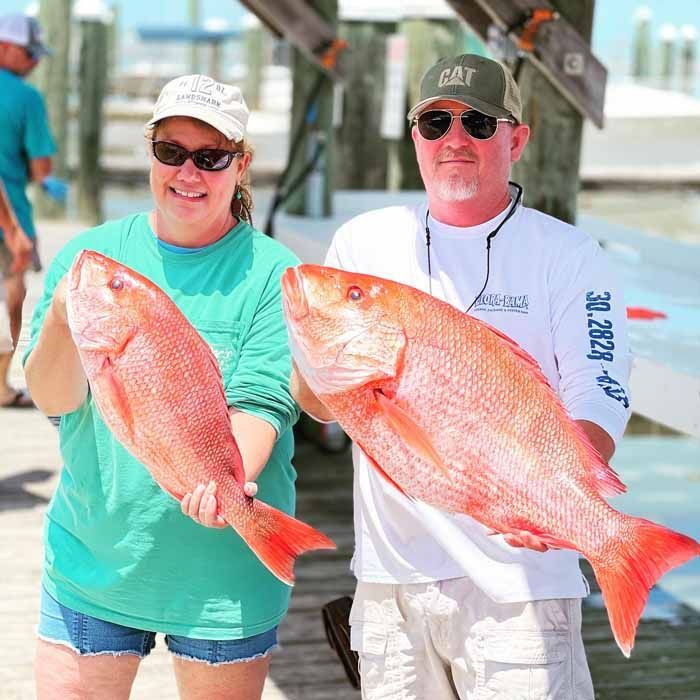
(455,188)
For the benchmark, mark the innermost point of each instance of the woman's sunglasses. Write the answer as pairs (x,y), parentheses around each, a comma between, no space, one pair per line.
(433,124)
(204,158)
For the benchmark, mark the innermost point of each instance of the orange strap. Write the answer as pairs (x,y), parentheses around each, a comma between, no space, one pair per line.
(536,17)
(329,58)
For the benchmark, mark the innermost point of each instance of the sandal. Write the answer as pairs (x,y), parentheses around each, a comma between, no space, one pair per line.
(21,399)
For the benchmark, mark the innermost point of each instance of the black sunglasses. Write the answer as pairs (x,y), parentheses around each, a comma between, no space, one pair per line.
(205,158)
(433,124)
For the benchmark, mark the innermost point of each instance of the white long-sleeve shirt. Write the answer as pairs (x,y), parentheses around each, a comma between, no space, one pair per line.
(552,290)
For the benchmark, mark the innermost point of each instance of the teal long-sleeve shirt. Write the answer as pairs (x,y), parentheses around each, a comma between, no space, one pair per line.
(117,547)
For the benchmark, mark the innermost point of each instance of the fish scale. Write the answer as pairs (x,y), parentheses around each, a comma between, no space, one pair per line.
(454,413)
(158,388)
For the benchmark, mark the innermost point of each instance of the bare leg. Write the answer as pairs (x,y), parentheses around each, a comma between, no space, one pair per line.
(238,681)
(6,391)
(61,673)
(15,291)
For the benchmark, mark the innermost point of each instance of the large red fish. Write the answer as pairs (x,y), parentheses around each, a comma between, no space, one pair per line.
(455,414)
(158,388)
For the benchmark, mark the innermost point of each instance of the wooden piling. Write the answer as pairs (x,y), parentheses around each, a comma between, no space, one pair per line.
(362,153)
(53,80)
(93,78)
(641,44)
(688,57)
(668,35)
(256,43)
(305,77)
(193,15)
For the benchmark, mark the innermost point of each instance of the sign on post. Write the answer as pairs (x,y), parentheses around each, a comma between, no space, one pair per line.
(394,104)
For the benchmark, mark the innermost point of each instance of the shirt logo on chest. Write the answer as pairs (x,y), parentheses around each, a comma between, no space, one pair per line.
(499,301)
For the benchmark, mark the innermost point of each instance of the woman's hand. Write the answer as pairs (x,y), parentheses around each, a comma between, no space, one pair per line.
(58,302)
(201,504)
(523,539)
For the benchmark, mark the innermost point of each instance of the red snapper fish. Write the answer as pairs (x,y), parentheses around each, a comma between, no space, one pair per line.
(158,388)
(454,413)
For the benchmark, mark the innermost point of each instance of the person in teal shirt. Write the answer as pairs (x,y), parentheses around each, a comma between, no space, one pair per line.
(121,560)
(26,147)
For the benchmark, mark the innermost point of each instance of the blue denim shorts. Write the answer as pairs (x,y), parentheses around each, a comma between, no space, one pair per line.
(89,635)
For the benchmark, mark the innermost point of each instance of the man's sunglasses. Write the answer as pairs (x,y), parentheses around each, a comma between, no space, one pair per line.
(433,124)
(205,158)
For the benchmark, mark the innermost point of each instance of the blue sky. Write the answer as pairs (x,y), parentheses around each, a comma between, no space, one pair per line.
(611,37)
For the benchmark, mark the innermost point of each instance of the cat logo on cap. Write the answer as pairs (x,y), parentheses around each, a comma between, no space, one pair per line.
(459,75)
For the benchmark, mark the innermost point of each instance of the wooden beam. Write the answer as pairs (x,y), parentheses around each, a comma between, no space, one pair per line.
(299,23)
(560,52)
(549,166)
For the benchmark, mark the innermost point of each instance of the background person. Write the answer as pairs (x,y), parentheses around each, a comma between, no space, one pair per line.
(503,620)
(26,147)
(121,560)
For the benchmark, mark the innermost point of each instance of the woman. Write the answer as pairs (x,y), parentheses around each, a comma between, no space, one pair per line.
(121,561)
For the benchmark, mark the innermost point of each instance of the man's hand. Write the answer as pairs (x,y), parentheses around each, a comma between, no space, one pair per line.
(201,504)
(21,247)
(55,188)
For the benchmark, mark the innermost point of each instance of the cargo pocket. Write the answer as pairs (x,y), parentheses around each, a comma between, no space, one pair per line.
(522,665)
(224,338)
(387,659)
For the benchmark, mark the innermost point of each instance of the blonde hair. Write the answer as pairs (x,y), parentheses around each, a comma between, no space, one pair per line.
(241,207)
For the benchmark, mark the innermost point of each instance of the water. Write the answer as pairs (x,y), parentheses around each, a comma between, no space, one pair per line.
(663,478)
(664,212)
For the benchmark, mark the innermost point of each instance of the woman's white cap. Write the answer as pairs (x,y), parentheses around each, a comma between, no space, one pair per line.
(201,97)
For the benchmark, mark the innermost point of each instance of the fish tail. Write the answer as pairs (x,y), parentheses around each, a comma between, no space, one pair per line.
(648,552)
(277,539)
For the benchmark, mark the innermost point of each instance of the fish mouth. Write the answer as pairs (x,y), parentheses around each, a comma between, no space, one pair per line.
(76,270)
(87,261)
(294,298)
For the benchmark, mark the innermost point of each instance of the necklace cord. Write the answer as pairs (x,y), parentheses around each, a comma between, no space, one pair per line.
(491,235)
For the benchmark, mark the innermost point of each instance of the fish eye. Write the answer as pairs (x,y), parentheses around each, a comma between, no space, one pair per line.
(355,294)
(116,284)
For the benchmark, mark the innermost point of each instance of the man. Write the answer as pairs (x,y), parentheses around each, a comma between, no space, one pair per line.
(26,148)
(482,615)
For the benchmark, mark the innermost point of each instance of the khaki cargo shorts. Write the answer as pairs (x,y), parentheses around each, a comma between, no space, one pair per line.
(6,259)
(447,640)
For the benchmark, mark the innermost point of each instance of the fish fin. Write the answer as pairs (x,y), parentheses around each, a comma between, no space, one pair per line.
(116,390)
(547,538)
(381,472)
(606,480)
(639,562)
(411,433)
(523,354)
(170,492)
(277,539)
